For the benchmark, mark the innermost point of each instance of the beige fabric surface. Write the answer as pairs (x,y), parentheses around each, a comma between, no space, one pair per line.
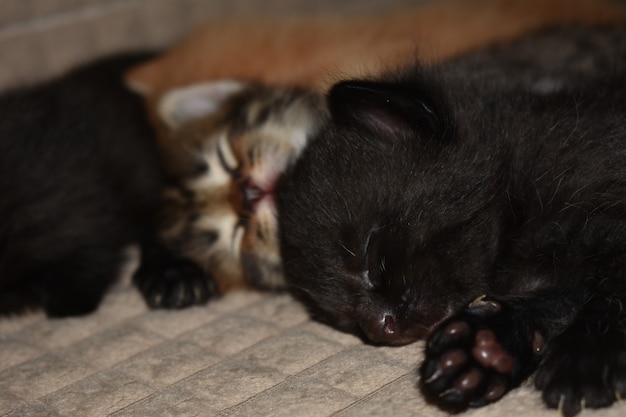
(246,354)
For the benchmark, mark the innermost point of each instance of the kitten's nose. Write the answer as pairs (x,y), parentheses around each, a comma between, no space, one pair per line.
(385,331)
(389,325)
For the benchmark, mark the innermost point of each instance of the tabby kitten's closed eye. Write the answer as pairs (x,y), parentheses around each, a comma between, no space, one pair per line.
(230,143)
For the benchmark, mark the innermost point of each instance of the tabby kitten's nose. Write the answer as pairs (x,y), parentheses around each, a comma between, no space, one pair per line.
(250,195)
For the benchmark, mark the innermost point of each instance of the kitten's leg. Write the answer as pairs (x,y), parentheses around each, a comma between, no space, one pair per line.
(170,281)
(76,284)
(491,346)
(585,366)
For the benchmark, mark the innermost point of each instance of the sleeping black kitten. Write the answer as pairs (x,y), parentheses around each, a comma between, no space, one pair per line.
(80,180)
(481,205)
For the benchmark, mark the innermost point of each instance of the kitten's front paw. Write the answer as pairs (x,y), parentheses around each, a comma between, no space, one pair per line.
(177,284)
(476,356)
(584,368)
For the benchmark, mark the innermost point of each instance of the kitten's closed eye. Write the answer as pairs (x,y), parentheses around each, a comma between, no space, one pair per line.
(226,157)
(374,259)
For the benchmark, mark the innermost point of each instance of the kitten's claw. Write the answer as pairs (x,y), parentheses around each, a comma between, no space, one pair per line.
(156,300)
(484,307)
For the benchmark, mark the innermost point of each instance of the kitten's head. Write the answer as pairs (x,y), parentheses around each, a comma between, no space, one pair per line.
(230,142)
(384,223)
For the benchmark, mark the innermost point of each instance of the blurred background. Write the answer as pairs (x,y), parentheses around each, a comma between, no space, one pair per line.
(42,38)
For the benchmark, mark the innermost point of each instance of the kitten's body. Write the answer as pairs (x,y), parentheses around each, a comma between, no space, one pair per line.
(312,52)
(80,180)
(433,188)
(315,52)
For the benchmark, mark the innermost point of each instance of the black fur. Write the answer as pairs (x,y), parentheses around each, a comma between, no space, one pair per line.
(169,280)
(501,174)
(80,180)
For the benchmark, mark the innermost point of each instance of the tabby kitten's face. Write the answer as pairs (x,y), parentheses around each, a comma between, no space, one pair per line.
(230,143)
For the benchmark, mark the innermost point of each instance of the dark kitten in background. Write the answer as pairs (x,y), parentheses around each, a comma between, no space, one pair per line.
(80,180)
(480,204)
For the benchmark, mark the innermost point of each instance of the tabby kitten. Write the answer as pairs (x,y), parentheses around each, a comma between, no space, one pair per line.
(480,204)
(230,141)
(80,181)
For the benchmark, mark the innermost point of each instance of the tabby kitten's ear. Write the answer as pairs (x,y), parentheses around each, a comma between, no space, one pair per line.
(183,104)
(391,110)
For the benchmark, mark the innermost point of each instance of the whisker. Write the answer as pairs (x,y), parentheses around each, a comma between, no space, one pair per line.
(348,250)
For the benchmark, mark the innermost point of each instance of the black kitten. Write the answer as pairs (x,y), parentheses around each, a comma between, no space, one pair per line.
(481,204)
(80,180)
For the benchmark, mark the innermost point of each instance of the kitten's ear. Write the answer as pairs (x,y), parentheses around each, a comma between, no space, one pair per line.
(389,109)
(195,101)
